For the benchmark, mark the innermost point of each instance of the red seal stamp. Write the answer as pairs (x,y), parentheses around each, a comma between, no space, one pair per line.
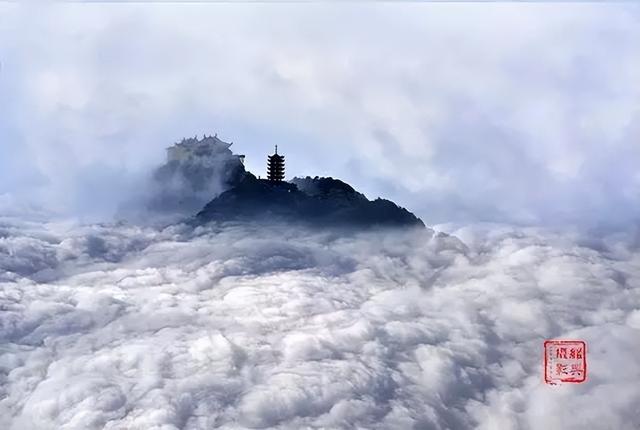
(565,361)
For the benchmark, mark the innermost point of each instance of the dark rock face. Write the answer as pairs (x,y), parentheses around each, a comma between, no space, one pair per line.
(327,188)
(311,201)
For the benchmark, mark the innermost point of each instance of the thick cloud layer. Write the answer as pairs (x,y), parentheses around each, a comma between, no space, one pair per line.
(520,112)
(122,327)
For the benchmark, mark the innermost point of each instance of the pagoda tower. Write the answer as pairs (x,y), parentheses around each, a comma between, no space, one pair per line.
(275,167)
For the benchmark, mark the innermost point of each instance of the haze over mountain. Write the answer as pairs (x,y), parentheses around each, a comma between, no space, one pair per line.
(521,112)
(196,170)
(203,177)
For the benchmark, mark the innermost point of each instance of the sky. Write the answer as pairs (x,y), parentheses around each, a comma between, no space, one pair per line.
(492,112)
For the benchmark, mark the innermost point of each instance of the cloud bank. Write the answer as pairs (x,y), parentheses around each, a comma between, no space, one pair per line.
(124,327)
(524,113)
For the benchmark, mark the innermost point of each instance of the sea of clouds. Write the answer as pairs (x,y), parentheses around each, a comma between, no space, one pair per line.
(117,326)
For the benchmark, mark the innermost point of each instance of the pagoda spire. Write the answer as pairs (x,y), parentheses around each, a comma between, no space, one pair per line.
(275,167)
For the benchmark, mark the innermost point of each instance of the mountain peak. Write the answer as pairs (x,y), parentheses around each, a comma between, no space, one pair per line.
(322,202)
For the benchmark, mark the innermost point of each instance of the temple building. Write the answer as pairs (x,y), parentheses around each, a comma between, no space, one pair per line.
(275,167)
(194,148)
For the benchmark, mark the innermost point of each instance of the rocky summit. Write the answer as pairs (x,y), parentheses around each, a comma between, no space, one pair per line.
(311,201)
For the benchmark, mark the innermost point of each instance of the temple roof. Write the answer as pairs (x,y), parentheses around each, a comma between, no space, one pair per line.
(206,140)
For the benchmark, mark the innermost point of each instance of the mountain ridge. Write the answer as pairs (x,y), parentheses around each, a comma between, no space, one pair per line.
(319,201)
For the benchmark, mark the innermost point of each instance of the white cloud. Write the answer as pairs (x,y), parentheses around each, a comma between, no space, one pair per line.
(262,326)
(517,112)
